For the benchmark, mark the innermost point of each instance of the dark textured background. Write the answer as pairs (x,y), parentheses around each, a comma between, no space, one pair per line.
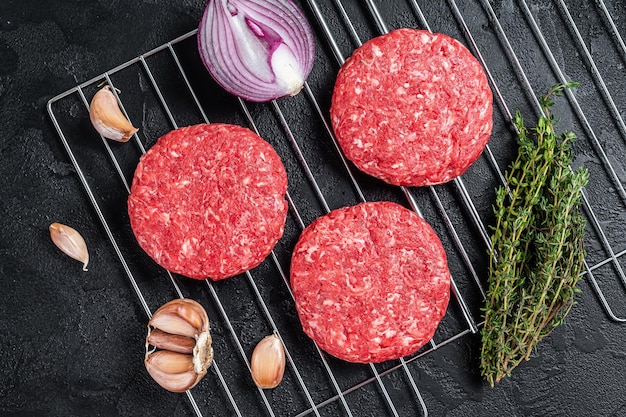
(71,341)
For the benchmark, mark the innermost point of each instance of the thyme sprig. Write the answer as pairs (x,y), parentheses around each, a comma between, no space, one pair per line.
(537,252)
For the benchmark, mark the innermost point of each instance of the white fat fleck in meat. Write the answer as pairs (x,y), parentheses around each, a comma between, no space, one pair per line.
(185,249)
(376,51)
(448,121)
(211,214)
(358,90)
(358,242)
(483,110)
(339,337)
(393,297)
(359,286)
(378,321)
(309,251)
(390,333)
(174,154)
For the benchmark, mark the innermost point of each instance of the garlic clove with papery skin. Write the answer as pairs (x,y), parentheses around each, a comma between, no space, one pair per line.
(178,345)
(268,362)
(171,342)
(171,319)
(171,370)
(107,117)
(70,242)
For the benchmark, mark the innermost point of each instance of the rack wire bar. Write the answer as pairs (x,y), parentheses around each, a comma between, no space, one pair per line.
(375,380)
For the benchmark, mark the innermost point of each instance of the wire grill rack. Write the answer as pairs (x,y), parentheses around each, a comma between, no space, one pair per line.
(524,47)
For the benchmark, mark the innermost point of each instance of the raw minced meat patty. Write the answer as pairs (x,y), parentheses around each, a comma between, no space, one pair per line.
(208,201)
(412,108)
(371,282)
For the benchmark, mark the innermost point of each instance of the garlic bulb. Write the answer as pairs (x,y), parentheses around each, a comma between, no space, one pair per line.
(178,345)
(268,362)
(107,117)
(70,242)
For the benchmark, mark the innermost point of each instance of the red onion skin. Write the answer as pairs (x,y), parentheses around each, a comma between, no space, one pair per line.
(259,50)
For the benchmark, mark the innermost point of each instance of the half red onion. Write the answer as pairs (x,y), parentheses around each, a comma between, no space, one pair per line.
(258,50)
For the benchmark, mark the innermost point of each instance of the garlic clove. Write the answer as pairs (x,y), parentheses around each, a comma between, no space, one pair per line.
(192,313)
(171,370)
(268,362)
(172,323)
(181,316)
(70,242)
(174,342)
(170,362)
(107,117)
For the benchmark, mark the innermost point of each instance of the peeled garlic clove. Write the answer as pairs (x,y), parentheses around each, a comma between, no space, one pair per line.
(70,242)
(173,371)
(107,117)
(268,362)
(179,334)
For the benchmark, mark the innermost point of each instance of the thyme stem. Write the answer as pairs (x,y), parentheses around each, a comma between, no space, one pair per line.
(537,251)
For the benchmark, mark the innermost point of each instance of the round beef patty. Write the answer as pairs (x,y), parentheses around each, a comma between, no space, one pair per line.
(412,108)
(371,282)
(208,201)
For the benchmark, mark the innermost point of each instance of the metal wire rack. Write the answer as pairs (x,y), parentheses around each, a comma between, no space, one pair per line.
(522,54)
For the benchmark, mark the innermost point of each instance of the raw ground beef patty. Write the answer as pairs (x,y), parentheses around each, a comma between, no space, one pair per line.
(412,108)
(209,200)
(371,282)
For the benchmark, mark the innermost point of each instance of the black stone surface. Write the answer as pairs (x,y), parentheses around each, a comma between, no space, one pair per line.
(71,342)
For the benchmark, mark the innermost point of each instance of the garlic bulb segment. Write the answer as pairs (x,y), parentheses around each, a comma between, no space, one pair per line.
(178,345)
(183,317)
(172,342)
(70,242)
(173,371)
(107,117)
(268,362)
